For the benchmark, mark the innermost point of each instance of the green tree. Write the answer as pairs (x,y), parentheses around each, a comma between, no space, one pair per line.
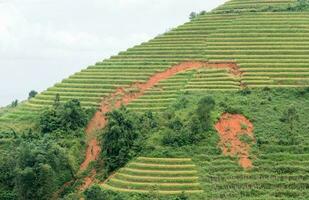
(7,175)
(34,177)
(57,101)
(193,15)
(14,103)
(290,117)
(41,167)
(32,94)
(119,138)
(203,111)
(72,115)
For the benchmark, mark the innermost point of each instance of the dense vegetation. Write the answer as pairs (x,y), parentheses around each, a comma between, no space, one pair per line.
(123,137)
(36,162)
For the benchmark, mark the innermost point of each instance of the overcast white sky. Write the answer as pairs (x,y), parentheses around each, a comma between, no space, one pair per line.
(44,41)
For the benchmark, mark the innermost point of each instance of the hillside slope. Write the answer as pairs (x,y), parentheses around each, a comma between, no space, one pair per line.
(271,49)
(247,61)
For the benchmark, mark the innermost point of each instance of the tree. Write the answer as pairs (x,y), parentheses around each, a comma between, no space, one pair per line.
(32,94)
(119,138)
(72,115)
(193,15)
(290,116)
(203,111)
(41,167)
(34,177)
(14,103)
(56,101)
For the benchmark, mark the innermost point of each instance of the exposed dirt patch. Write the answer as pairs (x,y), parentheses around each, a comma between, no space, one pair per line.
(236,134)
(92,153)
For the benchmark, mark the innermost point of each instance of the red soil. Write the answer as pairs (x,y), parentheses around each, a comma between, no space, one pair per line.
(230,128)
(92,153)
(123,96)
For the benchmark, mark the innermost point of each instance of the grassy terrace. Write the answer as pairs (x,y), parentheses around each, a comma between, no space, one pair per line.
(212,79)
(162,95)
(165,175)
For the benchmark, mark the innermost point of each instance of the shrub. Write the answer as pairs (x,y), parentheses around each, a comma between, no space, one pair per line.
(233,110)
(190,133)
(96,193)
(245,91)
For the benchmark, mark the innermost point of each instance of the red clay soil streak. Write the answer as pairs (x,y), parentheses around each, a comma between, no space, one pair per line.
(125,95)
(230,128)
(92,153)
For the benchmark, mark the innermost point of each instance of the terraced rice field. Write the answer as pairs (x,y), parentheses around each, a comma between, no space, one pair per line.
(163,175)
(271,49)
(280,172)
(250,5)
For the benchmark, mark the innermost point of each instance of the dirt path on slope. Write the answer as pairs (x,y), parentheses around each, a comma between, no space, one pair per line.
(236,134)
(124,95)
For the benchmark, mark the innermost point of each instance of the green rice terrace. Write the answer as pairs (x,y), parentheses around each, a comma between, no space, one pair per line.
(216,108)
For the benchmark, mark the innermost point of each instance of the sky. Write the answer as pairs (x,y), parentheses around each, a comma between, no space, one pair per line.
(44,41)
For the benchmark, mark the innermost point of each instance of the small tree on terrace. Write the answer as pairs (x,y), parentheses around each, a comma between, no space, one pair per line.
(193,15)
(14,103)
(32,94)
(203,111)
(290,116)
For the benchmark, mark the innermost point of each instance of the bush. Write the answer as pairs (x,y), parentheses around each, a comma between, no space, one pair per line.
(245,91)
(96,193)
(190,131)
(233,110)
